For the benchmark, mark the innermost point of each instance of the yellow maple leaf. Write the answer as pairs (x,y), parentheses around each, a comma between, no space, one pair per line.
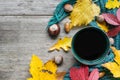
(117,55)
(36,62)
(111,4)
(40,71)
(103,26)
(64,43)
(83,13)
(52,68)
(114,67)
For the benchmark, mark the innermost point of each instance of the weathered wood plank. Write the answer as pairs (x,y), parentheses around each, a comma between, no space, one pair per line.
(20,37)
(27,7)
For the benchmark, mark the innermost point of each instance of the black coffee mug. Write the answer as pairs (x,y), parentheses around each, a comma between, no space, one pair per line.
(90,45)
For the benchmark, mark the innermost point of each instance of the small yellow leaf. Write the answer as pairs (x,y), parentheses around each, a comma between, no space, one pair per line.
(103,26)
(114,67)
(42,72)
(111,4)
(83,13)
(117,55)
(64,43)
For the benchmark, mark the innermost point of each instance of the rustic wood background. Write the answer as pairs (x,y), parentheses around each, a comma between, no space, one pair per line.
(22,33)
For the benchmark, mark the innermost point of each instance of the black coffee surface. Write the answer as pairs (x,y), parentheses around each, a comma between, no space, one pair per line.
(90,44)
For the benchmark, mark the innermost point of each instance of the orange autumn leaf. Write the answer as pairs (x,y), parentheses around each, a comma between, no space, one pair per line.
(114,67)
(60,75)
(64,43)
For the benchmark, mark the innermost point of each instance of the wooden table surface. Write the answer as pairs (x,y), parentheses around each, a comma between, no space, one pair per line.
(22,33)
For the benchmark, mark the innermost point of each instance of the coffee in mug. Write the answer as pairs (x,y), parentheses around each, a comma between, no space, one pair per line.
(90,45)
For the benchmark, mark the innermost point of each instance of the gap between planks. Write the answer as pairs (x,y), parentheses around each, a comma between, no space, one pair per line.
(24,15)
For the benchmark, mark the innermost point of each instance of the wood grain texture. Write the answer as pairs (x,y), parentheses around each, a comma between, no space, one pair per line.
(27,7)
(23,33)
(20,37)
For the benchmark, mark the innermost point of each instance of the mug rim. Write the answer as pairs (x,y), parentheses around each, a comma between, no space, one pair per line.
(96,61)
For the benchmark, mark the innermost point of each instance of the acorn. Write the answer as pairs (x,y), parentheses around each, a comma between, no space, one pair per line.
(68,7)
(111,41)
(54,30)
(58,59)
(100,18)
(101,74)
(67,27)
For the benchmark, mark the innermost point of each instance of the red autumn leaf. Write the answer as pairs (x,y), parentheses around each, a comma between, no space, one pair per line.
(118,14)
(113,32)
(82,73)
(94,75)
(74,74)
(111,19)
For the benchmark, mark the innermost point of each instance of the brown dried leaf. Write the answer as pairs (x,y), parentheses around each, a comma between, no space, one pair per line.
(60,75)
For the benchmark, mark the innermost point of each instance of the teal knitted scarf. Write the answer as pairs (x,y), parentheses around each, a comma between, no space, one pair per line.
(60,14)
